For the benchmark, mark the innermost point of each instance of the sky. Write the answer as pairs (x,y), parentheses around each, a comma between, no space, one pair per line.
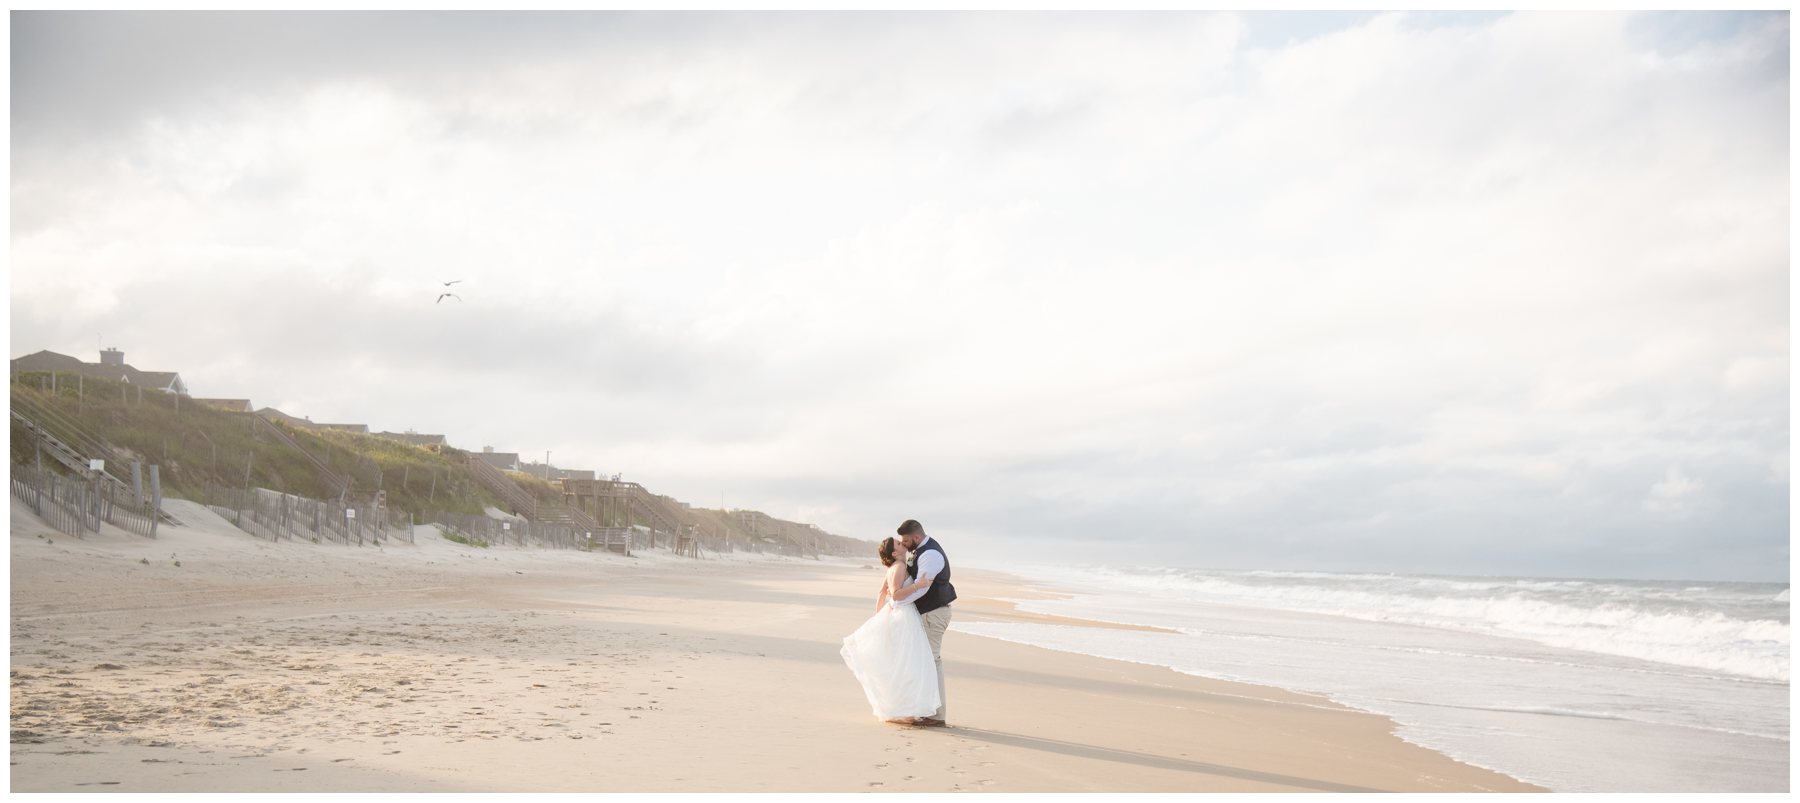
(1496,294)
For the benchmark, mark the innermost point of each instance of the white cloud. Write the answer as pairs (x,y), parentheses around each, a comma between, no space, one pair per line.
(1041,274)
(1676,494)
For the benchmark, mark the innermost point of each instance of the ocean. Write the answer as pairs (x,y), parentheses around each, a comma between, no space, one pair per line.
(1576,685)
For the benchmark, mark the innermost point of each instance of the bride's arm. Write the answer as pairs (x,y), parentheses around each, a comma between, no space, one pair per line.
(887,585)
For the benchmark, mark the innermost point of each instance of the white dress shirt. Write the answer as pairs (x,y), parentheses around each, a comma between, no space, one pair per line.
(929,564)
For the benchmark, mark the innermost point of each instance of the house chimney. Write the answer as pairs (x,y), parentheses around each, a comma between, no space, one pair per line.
(112,356)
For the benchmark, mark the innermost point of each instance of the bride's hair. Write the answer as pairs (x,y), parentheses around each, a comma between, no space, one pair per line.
(886,551)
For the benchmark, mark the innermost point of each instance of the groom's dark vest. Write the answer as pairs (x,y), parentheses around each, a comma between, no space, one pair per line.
(941,592)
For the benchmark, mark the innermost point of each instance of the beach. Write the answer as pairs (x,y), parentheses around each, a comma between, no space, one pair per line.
(440,667)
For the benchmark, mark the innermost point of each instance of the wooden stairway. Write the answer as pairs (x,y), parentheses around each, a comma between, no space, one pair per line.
(521,501)
(74,460)
(338,483)
(533,509)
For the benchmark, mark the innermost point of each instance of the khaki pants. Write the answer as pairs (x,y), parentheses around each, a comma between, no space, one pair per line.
(936,622)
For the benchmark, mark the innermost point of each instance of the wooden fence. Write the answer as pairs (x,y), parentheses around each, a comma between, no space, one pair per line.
(76,505)
(277,516)
(549,535)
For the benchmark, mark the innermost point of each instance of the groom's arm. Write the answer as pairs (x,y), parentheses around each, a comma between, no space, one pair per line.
(930,565)
(905,593)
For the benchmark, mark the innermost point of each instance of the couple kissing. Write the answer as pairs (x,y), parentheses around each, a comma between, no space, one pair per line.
(896,655)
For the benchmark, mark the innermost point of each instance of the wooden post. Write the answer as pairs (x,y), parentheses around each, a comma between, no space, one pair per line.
(37,485)
(155,498)
(137,484)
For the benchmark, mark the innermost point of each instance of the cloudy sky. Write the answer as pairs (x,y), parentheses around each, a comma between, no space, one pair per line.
(1481,294)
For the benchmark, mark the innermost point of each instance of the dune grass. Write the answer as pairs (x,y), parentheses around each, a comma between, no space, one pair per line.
(197,447)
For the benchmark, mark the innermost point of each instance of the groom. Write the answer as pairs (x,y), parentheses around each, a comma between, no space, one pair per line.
(933,602)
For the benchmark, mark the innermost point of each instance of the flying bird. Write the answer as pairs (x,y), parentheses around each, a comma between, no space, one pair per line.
(447,284)
(447,295)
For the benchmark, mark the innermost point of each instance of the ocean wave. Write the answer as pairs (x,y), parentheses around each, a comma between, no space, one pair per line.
(1676,624)
(1551,711)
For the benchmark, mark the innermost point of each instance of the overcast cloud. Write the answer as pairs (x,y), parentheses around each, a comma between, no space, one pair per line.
(1493,294)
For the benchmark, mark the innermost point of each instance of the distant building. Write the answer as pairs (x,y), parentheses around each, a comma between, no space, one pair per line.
(111,366)
(293,421)
(505,461)
(228,405)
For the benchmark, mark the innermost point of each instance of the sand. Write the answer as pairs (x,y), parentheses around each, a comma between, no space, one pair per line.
(438,667)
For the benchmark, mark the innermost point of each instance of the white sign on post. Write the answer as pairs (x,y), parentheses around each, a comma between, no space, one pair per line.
(96,465)
(506,525)
(350,513)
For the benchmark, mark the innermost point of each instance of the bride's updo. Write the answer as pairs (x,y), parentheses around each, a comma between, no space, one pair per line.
(886,551)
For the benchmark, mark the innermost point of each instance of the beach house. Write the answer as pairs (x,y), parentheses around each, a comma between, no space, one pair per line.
(112,366)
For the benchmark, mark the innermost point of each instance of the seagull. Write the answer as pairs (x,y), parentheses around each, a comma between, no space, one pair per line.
(447,284)
(447,295)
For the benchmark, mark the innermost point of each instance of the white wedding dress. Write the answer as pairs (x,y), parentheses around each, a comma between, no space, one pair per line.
(891,658)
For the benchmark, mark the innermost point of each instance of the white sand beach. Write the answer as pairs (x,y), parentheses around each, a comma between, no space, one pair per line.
(262,667)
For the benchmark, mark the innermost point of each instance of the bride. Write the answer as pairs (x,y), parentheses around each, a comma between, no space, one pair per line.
(889,654)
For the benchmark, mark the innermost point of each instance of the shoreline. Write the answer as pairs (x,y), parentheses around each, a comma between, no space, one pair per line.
(266,667)
(1014,587)
(1551,717)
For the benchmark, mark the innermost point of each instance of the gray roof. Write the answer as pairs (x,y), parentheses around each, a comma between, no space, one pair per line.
(276,415)
(52,361)
(228,405)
